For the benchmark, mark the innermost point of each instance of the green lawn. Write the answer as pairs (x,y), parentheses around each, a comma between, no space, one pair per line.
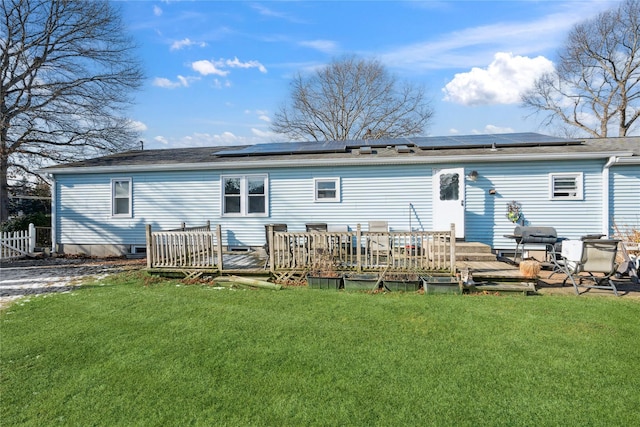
(121,353)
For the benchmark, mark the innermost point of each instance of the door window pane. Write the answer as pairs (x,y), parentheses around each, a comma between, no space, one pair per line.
(449,186)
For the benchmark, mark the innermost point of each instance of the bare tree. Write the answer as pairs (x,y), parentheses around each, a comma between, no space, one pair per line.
(68,72)
(352,99)
(596,84)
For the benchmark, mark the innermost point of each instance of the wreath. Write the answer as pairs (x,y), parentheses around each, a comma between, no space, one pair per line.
(513,211)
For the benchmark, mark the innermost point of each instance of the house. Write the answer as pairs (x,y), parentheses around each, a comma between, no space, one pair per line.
(578,186)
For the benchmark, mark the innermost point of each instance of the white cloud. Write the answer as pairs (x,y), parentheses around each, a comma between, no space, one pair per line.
(265,136)
(208,140)
(161,139)
(227,138)
(218,84)
(475,45)
(138,126)
(206,67)
(326,46)
(168,84)
(492,129)
(157,11)
(502,82)
(235,63)
(179,44)
(165,83)
(265,11)
(261,114)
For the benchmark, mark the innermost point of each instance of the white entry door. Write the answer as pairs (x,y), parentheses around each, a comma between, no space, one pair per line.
(448,199)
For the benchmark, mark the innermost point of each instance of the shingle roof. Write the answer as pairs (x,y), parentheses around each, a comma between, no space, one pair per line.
(471,149)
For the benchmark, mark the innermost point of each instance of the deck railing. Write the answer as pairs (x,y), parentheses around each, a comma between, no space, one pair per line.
(363,250)
(305,251)
(197,249)
(183,227)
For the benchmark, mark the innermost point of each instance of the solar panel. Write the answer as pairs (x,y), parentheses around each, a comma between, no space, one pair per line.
(285,148)
(523,139)
(497,140)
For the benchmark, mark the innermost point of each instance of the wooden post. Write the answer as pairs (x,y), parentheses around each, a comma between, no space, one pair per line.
(149,246)
(358,248)
(452,250)
(272,265)
(219,245)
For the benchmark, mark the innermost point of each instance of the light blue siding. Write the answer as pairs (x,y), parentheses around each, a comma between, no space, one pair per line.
(624,197)
(528,184)
(167,199)
(399,194)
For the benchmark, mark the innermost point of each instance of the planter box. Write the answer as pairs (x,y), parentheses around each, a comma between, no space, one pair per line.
(324,282)
(402,285)
(441,285)
(360,282)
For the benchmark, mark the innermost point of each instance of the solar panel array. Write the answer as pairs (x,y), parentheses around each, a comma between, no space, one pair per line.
(425,143)
(487,141)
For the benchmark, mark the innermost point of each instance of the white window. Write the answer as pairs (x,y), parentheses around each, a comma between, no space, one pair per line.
(327,189)
(121,197)
(565,186)
(244,195)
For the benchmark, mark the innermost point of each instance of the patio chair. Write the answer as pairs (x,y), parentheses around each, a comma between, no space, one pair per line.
(340,243)
(276,228)
(379,245)
(317,243)
(594,257)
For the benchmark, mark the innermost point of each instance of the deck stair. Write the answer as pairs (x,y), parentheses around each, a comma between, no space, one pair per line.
(474,251)
(526,288)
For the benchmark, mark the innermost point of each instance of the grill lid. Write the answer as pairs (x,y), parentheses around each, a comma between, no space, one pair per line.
(528,234)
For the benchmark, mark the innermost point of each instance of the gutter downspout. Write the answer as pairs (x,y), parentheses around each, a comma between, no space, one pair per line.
(54,214)
(606,205)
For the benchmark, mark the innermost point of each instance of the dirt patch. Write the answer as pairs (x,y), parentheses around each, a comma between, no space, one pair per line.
(30,277)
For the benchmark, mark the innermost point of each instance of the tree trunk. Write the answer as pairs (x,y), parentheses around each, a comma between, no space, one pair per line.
(4,188)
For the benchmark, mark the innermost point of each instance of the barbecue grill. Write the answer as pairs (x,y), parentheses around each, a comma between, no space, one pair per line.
(527,235)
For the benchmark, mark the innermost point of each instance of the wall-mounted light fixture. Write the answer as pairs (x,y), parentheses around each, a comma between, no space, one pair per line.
(473,176)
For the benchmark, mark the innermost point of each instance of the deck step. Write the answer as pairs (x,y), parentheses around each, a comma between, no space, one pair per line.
(472,247)
(475,257)
(474,251)
(523,287)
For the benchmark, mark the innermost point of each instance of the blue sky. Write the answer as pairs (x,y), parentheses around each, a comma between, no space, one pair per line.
(218,70)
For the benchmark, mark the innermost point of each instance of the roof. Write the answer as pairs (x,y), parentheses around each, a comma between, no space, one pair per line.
(434,150)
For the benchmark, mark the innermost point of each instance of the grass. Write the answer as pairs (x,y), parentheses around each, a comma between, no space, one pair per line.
(121,353)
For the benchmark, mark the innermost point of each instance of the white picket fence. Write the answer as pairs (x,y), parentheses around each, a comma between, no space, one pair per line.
(17,244)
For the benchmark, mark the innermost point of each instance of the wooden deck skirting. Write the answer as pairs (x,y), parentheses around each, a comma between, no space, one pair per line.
(200,249)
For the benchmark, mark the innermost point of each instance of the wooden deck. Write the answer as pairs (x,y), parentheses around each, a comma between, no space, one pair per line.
(491,270)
